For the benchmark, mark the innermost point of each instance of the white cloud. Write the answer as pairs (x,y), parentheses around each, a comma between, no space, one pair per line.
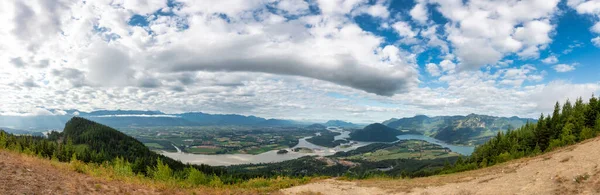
(589,7)
(419,13)
(447,66)
(516,76)
(596,41)
(483,32)
(144,7)
(241,56)
(404,29)
(564,68)
(293,7)
(433,69)
(596,28)
(378,10)
(550,60)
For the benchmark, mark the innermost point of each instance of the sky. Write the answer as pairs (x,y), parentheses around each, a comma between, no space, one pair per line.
(356,60)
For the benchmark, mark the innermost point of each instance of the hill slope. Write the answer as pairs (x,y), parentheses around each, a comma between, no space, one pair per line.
(375,132)
(472,128)
(574,170)
(102,143)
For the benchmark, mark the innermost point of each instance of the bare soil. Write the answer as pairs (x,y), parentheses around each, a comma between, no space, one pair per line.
(21,174)
(570,170)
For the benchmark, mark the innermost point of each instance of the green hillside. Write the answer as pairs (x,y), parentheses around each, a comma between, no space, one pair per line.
(470,129)
(377,132)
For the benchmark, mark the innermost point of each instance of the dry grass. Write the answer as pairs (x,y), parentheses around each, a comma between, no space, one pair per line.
(76,177)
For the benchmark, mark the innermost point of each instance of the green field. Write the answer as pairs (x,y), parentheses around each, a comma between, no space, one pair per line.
(265,149)
(154,145)
(203,150)
(406,150)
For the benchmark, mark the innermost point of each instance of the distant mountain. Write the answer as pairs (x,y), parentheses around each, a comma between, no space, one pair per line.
(377,132)
(470,129)
(339,123)
(316,126)
(389,121)
(34,123)
(137,121)
(138,118)
(120,112)
(278,122)
(21,132)
(200,118)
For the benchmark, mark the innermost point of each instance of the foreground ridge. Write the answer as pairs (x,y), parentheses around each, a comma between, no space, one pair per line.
(569,170)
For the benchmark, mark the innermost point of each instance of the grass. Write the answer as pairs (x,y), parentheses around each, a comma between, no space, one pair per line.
(402,152)
(109,172)
(203,150)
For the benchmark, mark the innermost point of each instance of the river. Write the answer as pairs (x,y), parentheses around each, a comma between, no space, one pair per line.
(272,156)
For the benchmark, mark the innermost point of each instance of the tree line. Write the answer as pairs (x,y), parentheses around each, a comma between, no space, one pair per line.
(568,124)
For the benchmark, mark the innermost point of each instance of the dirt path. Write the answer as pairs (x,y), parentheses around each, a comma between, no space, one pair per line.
(571,170)
(20,174)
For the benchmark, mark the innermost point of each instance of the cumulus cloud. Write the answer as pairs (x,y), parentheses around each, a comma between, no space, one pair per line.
(589,7)
(419,13)
(293,7)
(564,67)
(550,60)
(276,58)
(483,32)
(433,69)
(404,29)
(596,41)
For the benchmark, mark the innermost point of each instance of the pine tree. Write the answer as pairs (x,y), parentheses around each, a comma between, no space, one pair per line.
(567,136)
(3,139)
(587,133)
(556,121)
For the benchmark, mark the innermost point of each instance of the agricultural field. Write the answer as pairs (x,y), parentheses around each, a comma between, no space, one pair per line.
(219,139)
(411,149)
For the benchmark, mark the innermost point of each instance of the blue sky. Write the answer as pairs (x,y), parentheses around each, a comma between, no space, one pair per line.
(356,60)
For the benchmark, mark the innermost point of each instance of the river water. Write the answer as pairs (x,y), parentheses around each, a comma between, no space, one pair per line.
(272,156)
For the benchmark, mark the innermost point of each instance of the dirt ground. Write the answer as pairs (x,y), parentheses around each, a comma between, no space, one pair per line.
(571,170)
(20,174)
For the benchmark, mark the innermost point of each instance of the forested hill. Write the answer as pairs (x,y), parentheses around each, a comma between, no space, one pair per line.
(102,143)
(473,128)
(89,141)
(377,133)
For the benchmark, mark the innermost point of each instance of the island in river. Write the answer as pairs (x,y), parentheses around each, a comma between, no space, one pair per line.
(305,148)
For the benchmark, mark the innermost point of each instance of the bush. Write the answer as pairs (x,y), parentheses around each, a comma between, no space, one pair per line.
(122,168)
(196,177)
(215,182)
(161,172)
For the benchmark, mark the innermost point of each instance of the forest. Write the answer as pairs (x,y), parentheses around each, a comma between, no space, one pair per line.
(568,124)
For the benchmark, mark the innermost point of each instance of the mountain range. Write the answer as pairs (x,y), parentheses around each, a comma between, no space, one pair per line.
(137,118)
(470,129)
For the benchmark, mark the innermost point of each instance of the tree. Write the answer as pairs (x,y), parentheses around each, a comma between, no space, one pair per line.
(567,136)
(587,133)
(196,177)
(591,112)
(3,138)
(161,172)
(483,163)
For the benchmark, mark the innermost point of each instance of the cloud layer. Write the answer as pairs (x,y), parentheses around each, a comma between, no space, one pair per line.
(284,57)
